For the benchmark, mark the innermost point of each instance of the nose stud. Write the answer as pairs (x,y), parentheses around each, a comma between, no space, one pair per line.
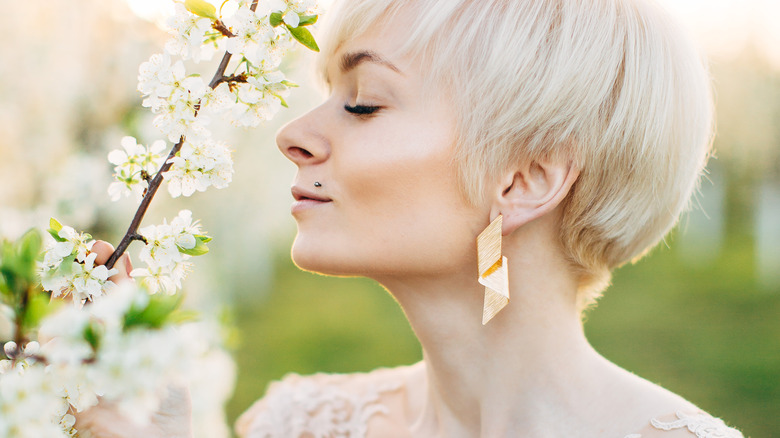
(317,184)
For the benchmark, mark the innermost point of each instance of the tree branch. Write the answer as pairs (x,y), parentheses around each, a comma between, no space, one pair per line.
(132,231)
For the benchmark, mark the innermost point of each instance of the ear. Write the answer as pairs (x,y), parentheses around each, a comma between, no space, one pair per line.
(531,190)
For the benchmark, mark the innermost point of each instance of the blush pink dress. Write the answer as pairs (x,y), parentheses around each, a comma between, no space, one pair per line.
(368,405)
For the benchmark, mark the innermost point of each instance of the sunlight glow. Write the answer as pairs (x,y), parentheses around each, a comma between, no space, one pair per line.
(152,10)
(727,28)
(724,28)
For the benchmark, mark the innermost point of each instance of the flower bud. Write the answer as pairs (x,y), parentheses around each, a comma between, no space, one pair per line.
(32,348)
(11,349)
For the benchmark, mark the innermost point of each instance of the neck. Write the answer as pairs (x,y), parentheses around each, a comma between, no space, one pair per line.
(487,380)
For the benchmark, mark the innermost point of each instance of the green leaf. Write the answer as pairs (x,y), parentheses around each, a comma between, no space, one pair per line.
(31,245)
(154,314)
(201,8)
(8,277)
(55,225)
(29,251)
(55,235)
(275,19)
(304,37)
(289,84)
(37,308)
(92,335)
(203,237)
(283,102)
(54,229)
(307,20)
(181,316)
(199,249)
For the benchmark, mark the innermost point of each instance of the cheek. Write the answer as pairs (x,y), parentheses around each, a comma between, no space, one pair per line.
(402,206)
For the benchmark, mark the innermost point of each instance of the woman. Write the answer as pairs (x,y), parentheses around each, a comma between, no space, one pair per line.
(578,129)
(568,135)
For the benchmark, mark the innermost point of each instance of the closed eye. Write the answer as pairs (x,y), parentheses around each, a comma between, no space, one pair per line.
(362,110)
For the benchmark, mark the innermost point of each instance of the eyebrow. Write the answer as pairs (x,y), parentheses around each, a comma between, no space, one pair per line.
(352,59)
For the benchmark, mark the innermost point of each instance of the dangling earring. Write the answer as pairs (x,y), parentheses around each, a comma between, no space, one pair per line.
(492,270)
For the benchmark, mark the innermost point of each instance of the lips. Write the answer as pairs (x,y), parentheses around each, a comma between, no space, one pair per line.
(300,194)
(306,201)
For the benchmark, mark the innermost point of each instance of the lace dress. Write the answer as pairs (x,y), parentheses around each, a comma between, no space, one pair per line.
(339,406)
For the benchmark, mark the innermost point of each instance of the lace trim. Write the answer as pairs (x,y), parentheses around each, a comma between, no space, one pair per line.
(702,425)
(301,407)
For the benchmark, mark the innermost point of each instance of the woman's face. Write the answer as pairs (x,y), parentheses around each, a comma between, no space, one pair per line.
(390,201)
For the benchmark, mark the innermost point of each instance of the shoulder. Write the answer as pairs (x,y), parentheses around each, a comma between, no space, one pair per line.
(655,412)
(687,425)
(327,405)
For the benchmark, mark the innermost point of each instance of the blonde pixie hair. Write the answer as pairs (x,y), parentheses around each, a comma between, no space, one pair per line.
(614,86)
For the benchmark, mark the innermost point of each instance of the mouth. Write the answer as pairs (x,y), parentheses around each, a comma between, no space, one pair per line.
(300,194)
(306,200)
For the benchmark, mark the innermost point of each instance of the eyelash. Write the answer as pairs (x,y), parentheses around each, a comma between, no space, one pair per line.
(362,110)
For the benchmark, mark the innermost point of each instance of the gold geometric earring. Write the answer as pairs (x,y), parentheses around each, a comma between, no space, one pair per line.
(492,270)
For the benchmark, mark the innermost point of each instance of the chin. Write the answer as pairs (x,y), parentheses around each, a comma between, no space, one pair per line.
(321,259)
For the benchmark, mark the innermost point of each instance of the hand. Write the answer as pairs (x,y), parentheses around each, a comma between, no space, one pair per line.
(172,420)
(104,250)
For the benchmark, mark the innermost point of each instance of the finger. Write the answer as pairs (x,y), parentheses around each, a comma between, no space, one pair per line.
(103,250)
(128,263)
(123,266)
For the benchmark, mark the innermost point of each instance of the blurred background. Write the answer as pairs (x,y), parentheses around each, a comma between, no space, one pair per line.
(700,315)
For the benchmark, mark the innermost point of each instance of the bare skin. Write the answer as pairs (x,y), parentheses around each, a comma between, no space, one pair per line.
(390,208)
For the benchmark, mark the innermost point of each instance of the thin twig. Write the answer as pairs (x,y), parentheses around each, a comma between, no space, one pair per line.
(19,336)
(132,231)
(221,28)
(220,76)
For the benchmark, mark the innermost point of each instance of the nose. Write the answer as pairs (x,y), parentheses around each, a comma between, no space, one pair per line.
(303,140)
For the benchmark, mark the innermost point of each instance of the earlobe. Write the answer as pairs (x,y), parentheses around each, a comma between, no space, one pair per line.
(531,191)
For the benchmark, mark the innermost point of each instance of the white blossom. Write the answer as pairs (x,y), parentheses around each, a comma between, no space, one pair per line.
(156,279)
(170,94)
(167,265)
(131,163)
(82,281)
(198,166)
(134,367)
(155,77)
(288,7)
(180,271)
(266,7)
(185,229)
(255,104)
(77,243)
(256,40)
(68,268)
(189,32)
(29,404)
(160,248)
(130,366)
(248,29)
(93,351)
(291,18)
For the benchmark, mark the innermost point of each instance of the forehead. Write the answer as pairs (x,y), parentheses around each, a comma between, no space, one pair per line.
(379,28)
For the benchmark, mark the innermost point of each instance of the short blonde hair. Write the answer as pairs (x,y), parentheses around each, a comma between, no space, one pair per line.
(616,85)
